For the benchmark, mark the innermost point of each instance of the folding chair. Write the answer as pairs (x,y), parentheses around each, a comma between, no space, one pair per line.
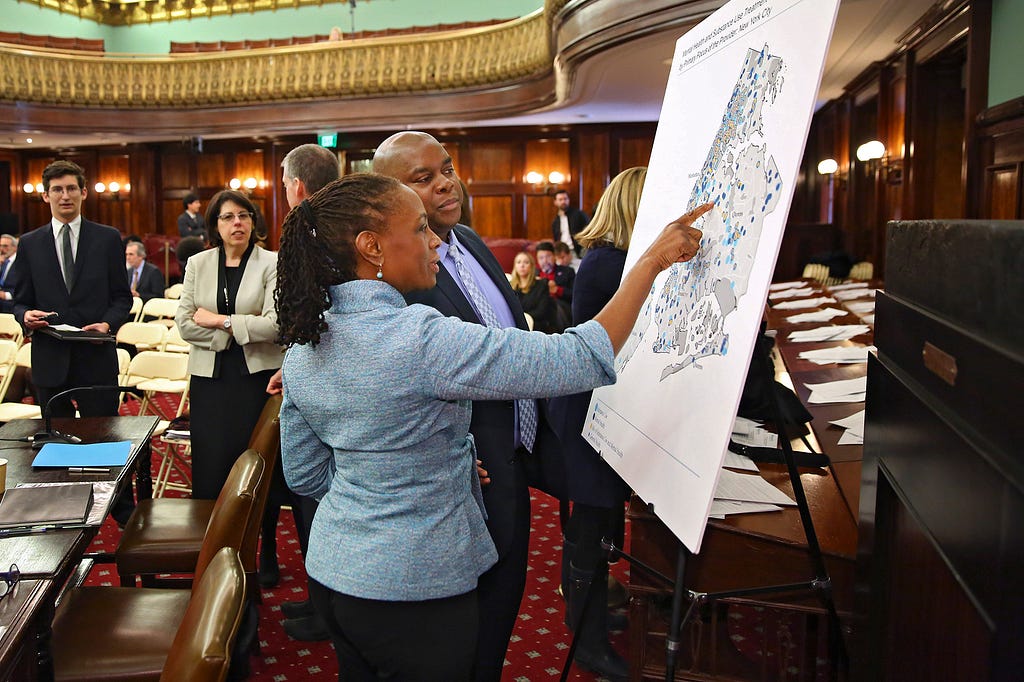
(163,309)
(173,343)
(862,270)
(136,309)
(21,358)
(142,335)
(11,329)
(174,291)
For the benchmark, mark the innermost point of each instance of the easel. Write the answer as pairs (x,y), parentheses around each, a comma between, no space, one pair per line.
(820,584)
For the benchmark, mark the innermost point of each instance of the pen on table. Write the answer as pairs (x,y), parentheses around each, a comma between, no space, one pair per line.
(89,470)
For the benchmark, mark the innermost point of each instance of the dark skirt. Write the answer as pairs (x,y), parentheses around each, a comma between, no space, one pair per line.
(224,412)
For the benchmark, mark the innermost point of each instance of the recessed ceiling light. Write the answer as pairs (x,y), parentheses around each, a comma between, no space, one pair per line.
(28,139)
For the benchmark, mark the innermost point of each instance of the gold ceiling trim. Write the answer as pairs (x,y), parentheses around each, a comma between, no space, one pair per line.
(128,12)
(401,65)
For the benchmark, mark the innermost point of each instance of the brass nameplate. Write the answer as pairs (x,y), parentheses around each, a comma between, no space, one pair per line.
(940,363)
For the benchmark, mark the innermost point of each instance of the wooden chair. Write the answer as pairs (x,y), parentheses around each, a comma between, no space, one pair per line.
(120,633)
(123,633)
(16,409)
(165,535)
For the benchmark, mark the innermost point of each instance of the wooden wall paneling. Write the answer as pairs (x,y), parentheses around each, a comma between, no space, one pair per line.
(540,211)
(547,155)
(212,173)
(249,164)
(1002,190)
(593,168)
(490,162)
(167,221)
(634,151)
(113,210)
(176,170)
(143,172)
(492,214)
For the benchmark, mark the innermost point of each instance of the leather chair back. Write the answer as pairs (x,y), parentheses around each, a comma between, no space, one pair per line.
(266,440)
(201,650)
(233,510)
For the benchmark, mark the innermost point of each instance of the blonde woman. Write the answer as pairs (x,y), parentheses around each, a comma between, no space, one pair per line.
(532,292)
(597,492)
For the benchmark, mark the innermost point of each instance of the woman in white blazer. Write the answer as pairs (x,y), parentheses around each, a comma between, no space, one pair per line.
(226,313)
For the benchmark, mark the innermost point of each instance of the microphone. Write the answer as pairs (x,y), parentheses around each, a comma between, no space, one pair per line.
(51,435)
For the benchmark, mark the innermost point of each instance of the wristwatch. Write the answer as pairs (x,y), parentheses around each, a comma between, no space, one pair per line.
(227,323)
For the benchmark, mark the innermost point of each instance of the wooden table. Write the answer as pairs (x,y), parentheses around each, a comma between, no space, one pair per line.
(754,550)
(46,560)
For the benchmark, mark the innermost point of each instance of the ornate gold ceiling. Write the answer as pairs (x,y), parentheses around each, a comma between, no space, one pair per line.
(127,12)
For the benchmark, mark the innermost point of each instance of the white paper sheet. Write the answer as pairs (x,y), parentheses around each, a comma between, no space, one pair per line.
(854,293)
(749,488)
(780,286)
(793,293)
(839,354)
(804,303)
(835,332)
(848,285)
(722,508)
(816,316)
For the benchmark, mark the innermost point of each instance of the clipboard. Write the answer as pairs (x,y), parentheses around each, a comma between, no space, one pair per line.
(79,335)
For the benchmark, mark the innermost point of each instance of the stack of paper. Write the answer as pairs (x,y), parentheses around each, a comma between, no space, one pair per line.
(791,293)
(854,425)
(854,293)
(780,286)
(745,493)
(823,315)
(843,391)
(861,307)
(56,505)
(848,285)
(749,432)
(835,332)
(804,303)
(839,354)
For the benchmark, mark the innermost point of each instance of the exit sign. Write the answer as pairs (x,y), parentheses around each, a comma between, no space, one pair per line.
(329,140)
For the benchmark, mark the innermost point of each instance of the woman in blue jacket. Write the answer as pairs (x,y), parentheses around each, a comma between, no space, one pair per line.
(375,420)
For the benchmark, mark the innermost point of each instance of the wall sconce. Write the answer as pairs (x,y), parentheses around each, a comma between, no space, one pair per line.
(29,187)
(114,187)
(828,166)
(537,179)
(249,184)
(869,151)
(875,151)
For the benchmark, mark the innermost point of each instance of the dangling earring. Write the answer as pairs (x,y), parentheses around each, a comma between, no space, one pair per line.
(380,270)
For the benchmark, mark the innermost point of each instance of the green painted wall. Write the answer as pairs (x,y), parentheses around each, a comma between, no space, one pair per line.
(1006,66)
(156,38)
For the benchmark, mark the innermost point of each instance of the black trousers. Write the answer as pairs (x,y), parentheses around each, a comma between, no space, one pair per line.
(422,641)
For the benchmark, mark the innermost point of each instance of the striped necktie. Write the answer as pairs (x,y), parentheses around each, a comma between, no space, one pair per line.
(527,408)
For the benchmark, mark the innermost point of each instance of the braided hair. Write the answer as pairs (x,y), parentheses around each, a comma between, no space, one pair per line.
(318,250)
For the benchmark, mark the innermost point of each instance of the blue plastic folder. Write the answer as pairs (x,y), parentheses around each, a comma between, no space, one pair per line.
(92,455)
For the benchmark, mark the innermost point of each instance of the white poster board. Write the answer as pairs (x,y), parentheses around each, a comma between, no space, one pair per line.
(733,126)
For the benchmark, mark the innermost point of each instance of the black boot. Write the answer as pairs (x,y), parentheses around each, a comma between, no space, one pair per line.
(593,651)
(269,573)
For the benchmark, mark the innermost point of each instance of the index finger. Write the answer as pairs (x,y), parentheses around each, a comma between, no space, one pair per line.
(690,217)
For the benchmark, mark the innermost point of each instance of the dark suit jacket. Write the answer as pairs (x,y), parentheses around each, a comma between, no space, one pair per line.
(100,294)
(493,421)
(191,227)
(151,282)
(590,479)
(8,285)
(577,221)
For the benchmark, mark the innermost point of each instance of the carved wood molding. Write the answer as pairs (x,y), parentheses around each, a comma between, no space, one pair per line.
(472,74)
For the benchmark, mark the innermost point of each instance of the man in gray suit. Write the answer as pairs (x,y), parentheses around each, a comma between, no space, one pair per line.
(305,170)
(510,435)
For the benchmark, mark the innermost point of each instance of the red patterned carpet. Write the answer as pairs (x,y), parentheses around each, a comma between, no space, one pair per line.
(539,643)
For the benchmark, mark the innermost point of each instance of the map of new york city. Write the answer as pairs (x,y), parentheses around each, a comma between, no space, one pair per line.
(741,177)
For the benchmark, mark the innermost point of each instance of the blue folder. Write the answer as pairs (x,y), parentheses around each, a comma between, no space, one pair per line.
(92,455)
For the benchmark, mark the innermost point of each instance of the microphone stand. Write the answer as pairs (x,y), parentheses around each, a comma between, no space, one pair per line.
(51,435)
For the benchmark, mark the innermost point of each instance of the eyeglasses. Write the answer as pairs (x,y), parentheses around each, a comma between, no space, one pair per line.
(230,217)
(70,189)
(9,579)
